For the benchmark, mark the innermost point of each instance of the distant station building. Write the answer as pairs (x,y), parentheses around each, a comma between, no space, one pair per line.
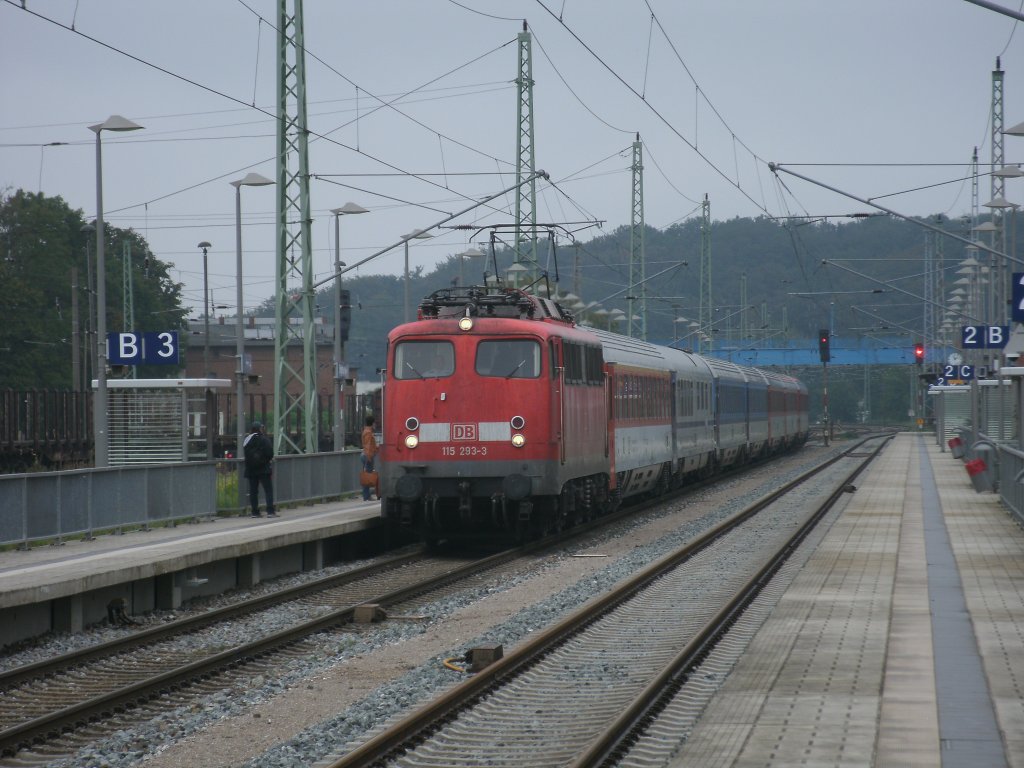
(259,368)
(259,352)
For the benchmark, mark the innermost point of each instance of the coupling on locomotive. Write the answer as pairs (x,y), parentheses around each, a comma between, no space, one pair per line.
(503,417)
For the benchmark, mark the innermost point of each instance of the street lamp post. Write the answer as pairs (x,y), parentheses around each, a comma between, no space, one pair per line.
(206,354)
(250,180)
(339,380)
(675,327)
(102,439)
(470,253)
(206,312)
(416,234)
(90,314)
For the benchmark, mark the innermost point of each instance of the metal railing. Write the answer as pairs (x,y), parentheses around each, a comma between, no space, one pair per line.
(308,478)
(1005,467)
(49,506)
(1011,480)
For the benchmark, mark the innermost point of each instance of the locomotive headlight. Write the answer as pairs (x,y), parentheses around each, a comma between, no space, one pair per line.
(465,323)
(517,422)
(518,440)
(411,441)
(412,423)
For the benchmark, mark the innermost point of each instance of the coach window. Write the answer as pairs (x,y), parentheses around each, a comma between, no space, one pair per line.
(508,359)
(424,359)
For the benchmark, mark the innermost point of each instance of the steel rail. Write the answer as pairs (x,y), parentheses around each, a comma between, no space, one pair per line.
(19,675)
(67,719)
(626,728)
(417,726)
(70,718)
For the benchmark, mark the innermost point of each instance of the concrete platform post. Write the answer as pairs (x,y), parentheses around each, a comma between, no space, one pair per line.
(313,556)
(248,570)
(68,614)
(168,591)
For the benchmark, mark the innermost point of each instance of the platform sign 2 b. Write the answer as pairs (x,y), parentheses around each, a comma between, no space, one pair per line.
(984,336)
(1017,297)
(149,348)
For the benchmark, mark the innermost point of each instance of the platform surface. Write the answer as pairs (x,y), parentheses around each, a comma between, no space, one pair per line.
(77,566)
(887,649)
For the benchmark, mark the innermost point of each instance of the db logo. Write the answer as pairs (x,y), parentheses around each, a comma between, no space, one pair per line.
(463,431)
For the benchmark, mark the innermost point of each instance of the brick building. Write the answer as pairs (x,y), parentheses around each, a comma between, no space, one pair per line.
(259,353)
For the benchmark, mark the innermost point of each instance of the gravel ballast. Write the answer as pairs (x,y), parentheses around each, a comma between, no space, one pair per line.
(356,680)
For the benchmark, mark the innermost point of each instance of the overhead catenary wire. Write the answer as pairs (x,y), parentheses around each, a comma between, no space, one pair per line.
(665,121)
(221,94)
(390,104)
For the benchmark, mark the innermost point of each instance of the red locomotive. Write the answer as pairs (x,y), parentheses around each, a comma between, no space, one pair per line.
(501,416)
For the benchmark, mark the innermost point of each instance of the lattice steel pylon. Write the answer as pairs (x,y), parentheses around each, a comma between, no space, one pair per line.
(704,319)
(998,278)
(974,193)
(526,194)
(928,329)
(636,321)
(126,286)
(295,382)
(128,292)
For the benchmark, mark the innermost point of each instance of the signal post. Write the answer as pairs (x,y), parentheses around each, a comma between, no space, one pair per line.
(826,355)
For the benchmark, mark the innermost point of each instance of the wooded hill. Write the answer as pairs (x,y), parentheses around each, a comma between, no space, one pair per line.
(778,259)
(41,239)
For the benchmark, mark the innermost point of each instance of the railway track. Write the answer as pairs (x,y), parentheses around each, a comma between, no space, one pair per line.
(581,691)
(53,700)
(53,708)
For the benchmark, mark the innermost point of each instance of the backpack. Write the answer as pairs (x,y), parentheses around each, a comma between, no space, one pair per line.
(256,455)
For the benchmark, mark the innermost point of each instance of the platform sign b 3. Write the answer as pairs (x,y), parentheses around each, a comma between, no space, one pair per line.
(148,348)
(1017,310)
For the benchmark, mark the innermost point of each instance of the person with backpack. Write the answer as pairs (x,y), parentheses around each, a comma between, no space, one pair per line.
(259,468)
(368,477)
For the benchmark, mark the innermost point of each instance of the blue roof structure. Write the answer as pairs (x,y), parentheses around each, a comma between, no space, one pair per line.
(894,350)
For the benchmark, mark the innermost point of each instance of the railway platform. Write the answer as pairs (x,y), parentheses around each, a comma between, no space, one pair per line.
(65,587)
(900,642)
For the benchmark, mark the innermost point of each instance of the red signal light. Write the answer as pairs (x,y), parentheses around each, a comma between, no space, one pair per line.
(919,353)
(823,346)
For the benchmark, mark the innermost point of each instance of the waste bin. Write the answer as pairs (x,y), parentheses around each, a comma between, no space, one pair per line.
(956,447)
(977,470)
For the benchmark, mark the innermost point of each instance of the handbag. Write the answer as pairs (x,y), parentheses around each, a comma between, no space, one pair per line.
(368,479)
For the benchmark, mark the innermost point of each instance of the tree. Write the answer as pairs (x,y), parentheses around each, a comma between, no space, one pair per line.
(41,242)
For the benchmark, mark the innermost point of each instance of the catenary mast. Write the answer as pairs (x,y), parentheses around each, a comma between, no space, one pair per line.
(998,276)
(637,320)
(526,194)
(704,319)
(295,382)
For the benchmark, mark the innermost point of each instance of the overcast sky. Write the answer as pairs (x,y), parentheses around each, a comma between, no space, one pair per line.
(875,97)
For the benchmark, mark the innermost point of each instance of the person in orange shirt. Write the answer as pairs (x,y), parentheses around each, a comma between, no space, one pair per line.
(369,453)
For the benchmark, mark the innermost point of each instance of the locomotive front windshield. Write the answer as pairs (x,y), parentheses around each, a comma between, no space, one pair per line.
(508,358)
(424,359)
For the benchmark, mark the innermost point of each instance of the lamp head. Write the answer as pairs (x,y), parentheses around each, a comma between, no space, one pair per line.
(417,234)
(349,208)
(115,123)
(251,180)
